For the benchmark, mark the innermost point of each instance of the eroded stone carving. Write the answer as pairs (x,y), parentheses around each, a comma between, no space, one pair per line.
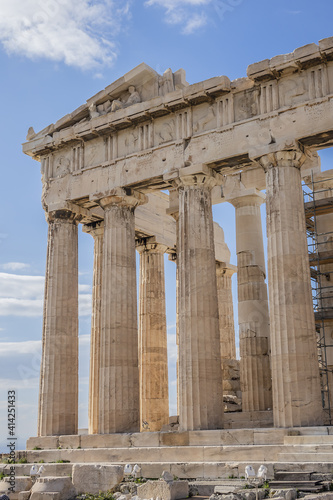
(207,121)
(62,167)
(111,106)
(134,98)
(167,133)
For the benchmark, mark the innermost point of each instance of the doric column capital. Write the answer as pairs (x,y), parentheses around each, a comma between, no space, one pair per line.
(246,197)
(95,229)
(124,197)
(197,176)
(293,158)
(146,245)
(225,269)
(66,216)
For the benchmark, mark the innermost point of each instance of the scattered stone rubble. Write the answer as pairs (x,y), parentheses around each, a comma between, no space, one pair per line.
(90,479)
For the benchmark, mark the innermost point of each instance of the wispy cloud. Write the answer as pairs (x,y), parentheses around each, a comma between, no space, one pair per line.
(172,348)
(14,266)
(15,286)
(31,383)
(80,34)
(189,14)
(14,348)
(23,296)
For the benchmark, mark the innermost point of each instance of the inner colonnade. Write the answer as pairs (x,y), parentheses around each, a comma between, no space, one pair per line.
(129,365)
(104,167)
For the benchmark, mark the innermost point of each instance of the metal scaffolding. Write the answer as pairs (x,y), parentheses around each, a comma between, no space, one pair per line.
(318,202)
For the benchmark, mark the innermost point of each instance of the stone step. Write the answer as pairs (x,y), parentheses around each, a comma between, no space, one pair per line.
(161,439)
(51,469)
(180,453)
(208,487)
(191,438)
(310,431)
(308,456)
(318,439)
(217,470)
(300,485)
(288,466)
(292,476)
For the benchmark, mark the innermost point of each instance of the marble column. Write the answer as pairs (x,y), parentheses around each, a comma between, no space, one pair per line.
(153,354)
(97,232)
(173,211)
(253,313)
(295,371)
(119,372)
(200,374)
(224,273)
(58,399)
(173,258)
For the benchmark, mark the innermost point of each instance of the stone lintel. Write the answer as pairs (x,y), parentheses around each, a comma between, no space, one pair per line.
(95,228)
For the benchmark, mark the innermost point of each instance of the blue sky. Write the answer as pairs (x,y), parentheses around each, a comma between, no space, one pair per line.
(55,54)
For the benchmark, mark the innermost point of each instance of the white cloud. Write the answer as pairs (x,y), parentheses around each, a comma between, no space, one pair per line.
(84,339)
(31,383)
(14,286)
(172,348)
(14,348)
(194,23)
(21,307)
(85,304)
(187,13)
(79,34)
(14,266)
(23,296)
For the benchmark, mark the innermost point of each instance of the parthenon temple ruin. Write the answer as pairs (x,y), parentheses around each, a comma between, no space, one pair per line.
(139,166)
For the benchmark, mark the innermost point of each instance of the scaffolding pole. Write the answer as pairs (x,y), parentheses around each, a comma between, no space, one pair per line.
(316,203)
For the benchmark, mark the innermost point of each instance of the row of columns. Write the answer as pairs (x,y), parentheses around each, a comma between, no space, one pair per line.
(294,366)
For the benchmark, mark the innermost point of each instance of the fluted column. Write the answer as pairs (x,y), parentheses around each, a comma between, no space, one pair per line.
(224,273)
(97,231)
(58,400)
(295,371)
(200,375)
(173,211)
(119,373)
(253,314)
(153,355)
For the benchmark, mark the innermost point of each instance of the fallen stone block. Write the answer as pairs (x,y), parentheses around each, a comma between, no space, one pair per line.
(287,494)
(168,491)
(320,496)
(94,478)
(19,484)
(53,488)
(23,495)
